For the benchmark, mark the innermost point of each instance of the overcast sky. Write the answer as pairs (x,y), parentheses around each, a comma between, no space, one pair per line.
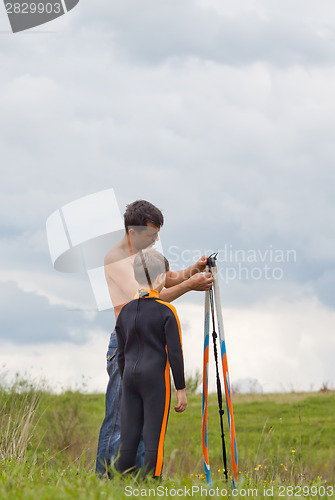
(220,113)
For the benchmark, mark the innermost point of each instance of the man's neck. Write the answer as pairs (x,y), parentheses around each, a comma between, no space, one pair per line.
(127,247)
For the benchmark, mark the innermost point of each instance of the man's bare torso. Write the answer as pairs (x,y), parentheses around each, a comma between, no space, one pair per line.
(119,273)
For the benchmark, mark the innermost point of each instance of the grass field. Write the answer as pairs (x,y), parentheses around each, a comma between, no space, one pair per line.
(285,447)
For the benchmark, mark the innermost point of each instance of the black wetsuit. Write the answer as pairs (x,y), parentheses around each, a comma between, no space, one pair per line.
(149,342)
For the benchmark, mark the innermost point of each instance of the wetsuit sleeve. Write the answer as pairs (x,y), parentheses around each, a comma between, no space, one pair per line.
(174,348)
(120,347)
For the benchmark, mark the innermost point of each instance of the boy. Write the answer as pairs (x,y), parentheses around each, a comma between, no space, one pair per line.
(149,342)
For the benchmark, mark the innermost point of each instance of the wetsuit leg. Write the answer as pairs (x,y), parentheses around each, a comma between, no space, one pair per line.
(156,403)
(131,424)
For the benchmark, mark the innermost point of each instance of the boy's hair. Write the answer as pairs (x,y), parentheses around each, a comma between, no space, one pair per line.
(148,264)
(140,212)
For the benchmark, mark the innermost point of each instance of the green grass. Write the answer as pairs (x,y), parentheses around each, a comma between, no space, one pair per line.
(284,441)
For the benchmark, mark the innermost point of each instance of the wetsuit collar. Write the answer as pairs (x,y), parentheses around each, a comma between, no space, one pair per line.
(146,293)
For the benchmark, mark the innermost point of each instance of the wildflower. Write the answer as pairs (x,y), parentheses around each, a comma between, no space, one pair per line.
(293,450)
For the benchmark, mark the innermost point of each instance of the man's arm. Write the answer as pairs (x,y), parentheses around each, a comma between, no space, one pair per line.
(199,282)
(176,277)
(180,282)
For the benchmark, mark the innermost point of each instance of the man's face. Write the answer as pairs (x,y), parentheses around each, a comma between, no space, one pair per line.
(146,238)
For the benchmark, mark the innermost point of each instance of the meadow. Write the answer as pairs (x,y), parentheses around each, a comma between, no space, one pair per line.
(285,447)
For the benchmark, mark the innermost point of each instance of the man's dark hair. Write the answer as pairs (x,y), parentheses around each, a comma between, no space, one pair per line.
(148,264)
(140,213)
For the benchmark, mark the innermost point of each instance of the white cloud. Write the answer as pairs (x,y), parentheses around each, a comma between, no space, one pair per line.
(61,365)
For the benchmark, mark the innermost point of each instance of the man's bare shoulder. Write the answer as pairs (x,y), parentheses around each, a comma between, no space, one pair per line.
(115,254)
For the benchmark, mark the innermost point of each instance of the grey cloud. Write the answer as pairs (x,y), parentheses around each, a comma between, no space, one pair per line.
(27,318)
(149,33)
(238,155)
(325,286)
(29,248)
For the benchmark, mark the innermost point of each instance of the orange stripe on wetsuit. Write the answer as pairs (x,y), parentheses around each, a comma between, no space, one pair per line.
(160,453)
(167,397)
(173,309)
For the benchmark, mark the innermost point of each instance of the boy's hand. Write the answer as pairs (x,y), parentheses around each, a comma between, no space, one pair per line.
(181,400)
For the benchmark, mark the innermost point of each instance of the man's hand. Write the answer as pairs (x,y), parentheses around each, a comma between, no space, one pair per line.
(181,401)
(200,282)
(200,266)
(180,282)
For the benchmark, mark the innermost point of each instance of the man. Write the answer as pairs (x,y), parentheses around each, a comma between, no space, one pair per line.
(142,224)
